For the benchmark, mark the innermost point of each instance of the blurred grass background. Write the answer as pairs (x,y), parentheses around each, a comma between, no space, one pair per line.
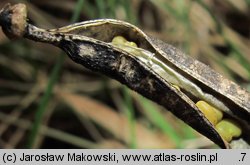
(47,101)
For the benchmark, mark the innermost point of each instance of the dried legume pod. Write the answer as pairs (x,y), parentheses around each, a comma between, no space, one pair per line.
(150,67)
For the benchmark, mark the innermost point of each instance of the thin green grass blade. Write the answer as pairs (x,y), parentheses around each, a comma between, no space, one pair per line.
(112,7)
(188,132)
(101,8)
(130,113)
(131,16)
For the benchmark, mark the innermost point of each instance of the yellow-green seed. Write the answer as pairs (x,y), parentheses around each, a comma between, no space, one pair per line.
(177,87)
(211,113)
(222,130)
(228,129)
(128,46)
(219,114)
(119,40)
(132,44)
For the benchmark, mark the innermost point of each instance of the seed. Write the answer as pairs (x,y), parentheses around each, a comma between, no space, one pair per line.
(177,87)
(210,112)
(228,129)
(119,40)
(132,44)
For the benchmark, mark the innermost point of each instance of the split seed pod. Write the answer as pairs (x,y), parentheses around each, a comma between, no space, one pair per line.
(151,72)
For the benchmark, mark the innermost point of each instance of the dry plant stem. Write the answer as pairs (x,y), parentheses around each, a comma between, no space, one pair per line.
(24,103)
(50,132)
(16,85)
(202,142)
(10,100)
(117,125)
(92,130)
(15,139)
(3,143)
(22,69)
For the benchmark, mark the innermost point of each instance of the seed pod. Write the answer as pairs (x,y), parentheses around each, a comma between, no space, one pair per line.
(151,69)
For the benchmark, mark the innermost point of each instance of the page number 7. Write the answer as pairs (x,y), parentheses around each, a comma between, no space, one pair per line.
(243,156)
